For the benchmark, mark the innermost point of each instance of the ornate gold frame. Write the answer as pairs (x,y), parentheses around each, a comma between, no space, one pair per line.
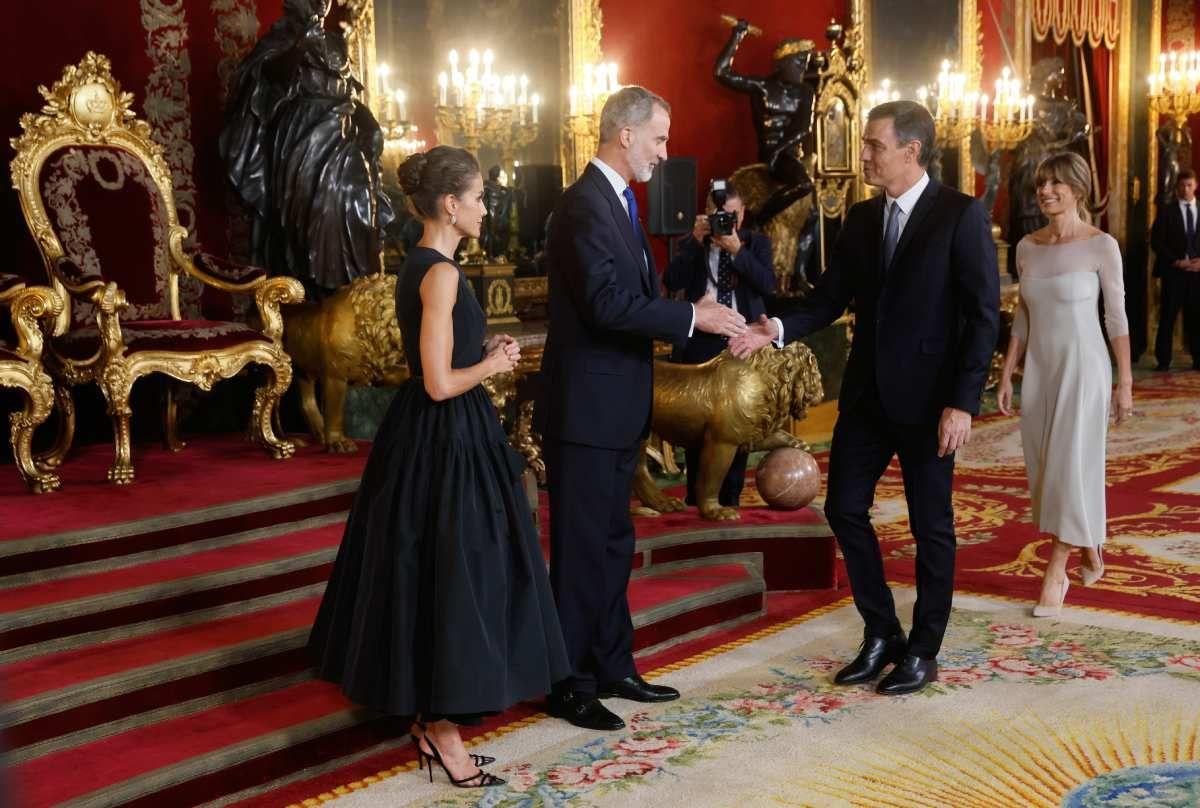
(969,62)
(87,107)
(27,306)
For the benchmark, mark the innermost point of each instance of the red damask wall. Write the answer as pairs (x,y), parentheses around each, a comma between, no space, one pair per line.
(171,54)
(670,46)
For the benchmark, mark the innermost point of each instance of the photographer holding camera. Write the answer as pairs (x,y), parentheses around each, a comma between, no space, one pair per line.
(723,258)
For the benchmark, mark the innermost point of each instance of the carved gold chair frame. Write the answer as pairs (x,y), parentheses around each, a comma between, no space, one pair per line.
(86,109)
(21,368)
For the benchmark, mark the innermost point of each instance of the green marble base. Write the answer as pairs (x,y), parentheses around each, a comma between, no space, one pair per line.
(365,408)
(831,346)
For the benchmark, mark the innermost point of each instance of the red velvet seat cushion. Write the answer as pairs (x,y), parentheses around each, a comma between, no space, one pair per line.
(179,336)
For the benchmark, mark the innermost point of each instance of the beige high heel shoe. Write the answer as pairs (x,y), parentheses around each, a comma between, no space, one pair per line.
(1053,611)
(1089,575)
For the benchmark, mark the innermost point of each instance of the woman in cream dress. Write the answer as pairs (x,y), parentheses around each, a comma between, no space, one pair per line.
(1067,395)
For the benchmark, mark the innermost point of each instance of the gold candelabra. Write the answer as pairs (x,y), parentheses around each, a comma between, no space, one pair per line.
(1011,120)
(484,108)
(1175,88)
(581,124)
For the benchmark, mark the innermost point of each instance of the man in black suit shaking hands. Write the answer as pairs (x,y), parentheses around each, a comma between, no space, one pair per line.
(605,313)
(919,266)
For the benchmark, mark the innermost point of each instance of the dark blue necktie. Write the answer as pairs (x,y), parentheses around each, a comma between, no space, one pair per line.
(633,215)
(1190,226)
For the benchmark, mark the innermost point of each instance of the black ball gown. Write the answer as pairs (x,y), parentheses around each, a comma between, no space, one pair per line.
(439,602)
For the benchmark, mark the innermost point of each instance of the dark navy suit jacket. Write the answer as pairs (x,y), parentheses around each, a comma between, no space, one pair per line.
(925,328)
(605,314)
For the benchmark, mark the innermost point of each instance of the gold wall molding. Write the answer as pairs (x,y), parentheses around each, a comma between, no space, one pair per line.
(581,46)
(1096,23)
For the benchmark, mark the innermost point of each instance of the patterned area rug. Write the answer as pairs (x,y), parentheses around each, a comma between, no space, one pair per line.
(1092,709)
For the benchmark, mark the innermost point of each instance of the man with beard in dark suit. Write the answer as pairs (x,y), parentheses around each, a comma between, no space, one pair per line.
(918,264)
(594,412)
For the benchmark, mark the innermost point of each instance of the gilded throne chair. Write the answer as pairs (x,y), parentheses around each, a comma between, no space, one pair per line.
(21,368)
(97,196)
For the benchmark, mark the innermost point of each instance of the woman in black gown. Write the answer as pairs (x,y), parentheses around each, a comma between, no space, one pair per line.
(439,606)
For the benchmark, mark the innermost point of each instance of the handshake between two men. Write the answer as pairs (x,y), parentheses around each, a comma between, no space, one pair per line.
(744,339)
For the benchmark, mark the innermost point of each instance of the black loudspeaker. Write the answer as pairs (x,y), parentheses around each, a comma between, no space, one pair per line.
(539,186)
(672,197)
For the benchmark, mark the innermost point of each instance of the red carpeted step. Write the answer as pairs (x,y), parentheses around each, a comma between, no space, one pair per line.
(651,590)
(166,484)
(65,692)
(131,759)
(62,607)
(25,602)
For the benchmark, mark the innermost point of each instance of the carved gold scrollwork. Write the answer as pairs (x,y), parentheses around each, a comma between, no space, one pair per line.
(28,307)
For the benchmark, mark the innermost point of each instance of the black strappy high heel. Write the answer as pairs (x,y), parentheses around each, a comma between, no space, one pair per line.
(478,760)
(479,779)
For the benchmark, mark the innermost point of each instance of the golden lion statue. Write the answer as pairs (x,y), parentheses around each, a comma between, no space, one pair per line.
(350,337)
(723,405)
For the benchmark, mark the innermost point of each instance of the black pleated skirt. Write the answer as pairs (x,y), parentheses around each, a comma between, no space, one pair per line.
(439,602)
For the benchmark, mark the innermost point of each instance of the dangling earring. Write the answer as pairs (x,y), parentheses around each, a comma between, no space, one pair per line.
(453,219)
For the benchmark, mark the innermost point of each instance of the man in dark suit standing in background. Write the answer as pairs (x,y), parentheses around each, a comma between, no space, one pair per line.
(918,264)
(594,412)
(1177,266)
(736,267)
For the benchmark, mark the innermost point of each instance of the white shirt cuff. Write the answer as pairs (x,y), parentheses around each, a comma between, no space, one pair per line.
(692,327)
(779,327)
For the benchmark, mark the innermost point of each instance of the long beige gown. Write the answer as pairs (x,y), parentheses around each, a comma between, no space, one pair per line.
(1067,385)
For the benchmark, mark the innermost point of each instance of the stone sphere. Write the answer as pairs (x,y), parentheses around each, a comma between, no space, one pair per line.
(788,479)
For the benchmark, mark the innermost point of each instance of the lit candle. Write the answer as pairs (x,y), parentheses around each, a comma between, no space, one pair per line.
(524,90)
(400,99)
(536,102)
(443,83)
(472,66)
(459,89)
(612,77)
(384,72)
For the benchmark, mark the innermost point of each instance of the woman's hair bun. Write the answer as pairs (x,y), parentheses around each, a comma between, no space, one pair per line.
(410,173)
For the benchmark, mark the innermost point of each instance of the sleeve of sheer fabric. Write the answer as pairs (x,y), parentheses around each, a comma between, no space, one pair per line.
(1112,287)
(1020,326)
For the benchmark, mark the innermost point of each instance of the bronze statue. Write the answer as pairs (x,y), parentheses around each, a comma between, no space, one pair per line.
(1058,125)
(498,200)
(782,104)
(1174,154)
(723,405)
(303,153)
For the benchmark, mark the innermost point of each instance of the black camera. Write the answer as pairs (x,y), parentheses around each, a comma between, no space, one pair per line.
(721,222)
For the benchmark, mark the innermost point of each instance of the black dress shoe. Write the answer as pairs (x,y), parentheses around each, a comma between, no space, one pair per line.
(635,688)
(583,710)
(910,675)
(875,654)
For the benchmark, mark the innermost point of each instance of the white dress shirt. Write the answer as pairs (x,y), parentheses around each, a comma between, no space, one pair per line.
(905,203)
(619,185)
